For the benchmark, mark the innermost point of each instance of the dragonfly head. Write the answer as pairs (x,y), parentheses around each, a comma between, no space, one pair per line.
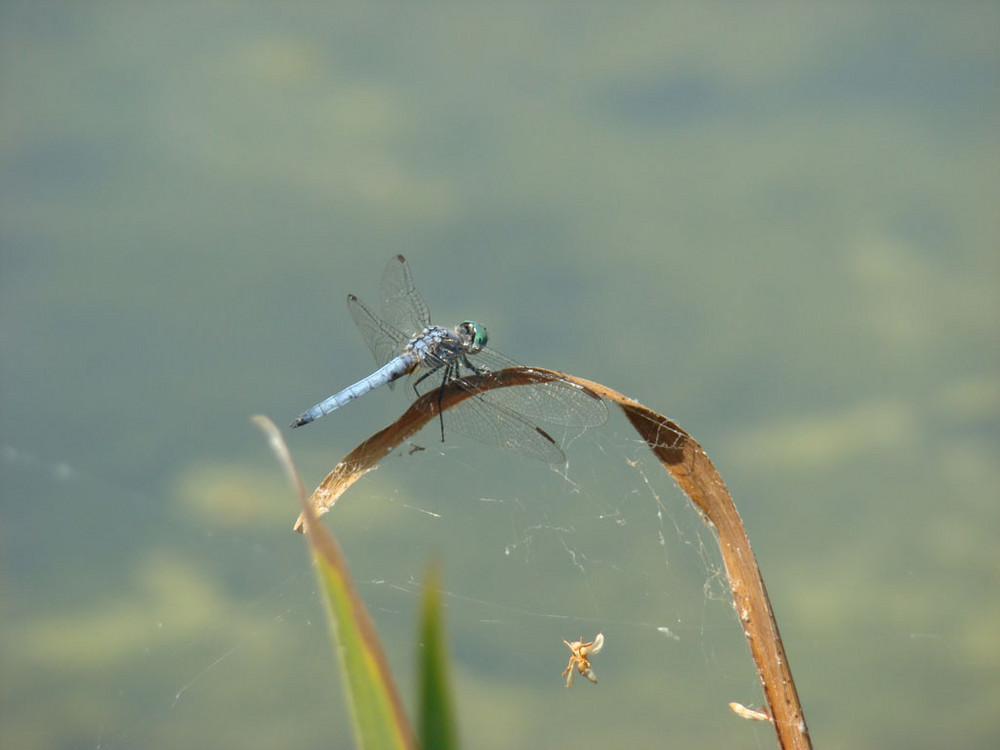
(473,336)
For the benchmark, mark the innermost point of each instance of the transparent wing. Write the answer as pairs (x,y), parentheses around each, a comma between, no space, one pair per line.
(404,313)
(493,424)
(384,340)
(505,417)
(557,402)
(403,309)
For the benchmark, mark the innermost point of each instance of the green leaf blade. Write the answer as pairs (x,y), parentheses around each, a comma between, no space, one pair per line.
(436,719)
(375,708)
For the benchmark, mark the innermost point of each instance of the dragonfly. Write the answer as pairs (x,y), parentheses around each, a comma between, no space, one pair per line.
(404,342)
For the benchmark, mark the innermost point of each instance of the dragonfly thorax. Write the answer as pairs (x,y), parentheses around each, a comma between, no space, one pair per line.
(436,345)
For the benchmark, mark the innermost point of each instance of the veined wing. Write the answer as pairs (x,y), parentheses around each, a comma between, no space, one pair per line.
(557,402)
(493,424)
(404,313)
(402,306)
(384,340)
(505,416)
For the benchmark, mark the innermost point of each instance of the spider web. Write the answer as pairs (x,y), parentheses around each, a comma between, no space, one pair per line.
(181,615)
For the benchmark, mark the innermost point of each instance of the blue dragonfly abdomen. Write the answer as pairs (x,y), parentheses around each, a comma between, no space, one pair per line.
(393,369)
(433,348)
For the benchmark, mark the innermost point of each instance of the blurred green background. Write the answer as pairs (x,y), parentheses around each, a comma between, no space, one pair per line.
(777,225)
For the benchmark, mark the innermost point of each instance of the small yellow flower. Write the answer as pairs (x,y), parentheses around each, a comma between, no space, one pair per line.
(580,654)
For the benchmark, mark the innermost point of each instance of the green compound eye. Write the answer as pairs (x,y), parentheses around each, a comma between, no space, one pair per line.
(478,334)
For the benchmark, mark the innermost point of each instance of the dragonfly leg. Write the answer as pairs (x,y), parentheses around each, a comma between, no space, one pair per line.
(421,379)
(448,374)
(477,370)
(449,367)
